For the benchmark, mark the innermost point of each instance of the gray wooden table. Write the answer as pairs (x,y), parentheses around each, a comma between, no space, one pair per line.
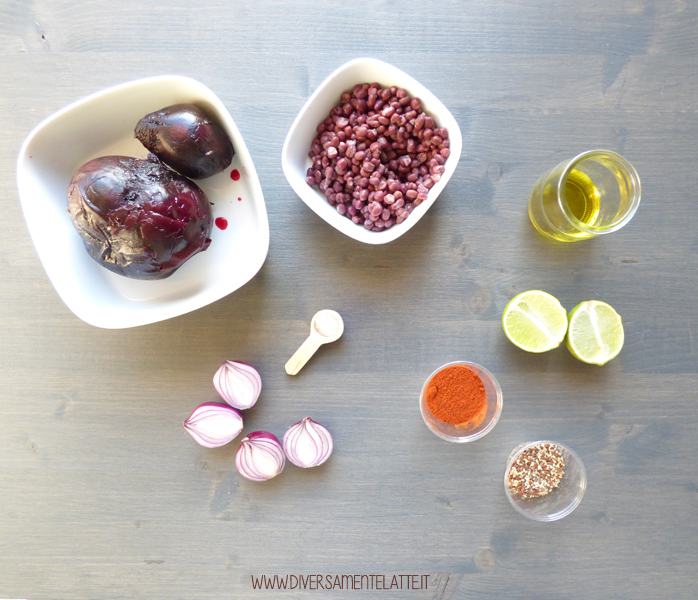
(102,492)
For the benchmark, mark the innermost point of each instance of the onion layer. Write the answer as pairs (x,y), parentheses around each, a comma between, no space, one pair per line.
(238,383)
(308,444)
(260,456)
(214,424)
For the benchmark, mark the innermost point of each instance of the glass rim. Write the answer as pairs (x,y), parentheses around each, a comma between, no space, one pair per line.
(625,164)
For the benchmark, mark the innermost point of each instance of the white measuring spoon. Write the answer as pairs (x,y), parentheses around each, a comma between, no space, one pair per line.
(327,326)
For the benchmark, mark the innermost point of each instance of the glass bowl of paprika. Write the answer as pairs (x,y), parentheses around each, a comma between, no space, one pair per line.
(461,402)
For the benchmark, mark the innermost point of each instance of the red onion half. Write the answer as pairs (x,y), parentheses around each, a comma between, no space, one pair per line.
(260,456)
(308,444)
(239,384)
(214,424)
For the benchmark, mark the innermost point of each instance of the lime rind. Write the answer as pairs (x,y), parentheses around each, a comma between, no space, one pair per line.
(595,334)
(535,321)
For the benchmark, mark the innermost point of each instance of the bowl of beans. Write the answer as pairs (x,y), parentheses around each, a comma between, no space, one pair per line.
(371,150)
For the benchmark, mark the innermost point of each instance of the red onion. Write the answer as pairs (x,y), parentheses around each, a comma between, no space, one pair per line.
(239,384)
(213,424)
(260,456)
(307,444)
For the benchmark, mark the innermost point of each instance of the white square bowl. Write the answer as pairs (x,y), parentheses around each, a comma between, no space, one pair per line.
(102,124)
(296,162)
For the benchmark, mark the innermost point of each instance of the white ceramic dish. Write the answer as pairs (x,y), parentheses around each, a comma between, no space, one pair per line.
(103,124)
(295,160)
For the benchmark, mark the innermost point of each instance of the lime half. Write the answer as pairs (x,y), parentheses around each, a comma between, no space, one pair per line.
(595,333)
(535,321)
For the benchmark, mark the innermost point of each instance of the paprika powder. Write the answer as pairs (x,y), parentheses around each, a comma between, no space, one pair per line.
(457,396)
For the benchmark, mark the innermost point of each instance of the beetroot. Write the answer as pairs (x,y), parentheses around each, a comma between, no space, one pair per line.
(138,218)
(185,138)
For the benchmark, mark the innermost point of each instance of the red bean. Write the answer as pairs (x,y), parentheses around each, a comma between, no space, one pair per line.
(359,104)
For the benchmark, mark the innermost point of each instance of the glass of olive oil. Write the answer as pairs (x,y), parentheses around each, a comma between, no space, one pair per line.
(594,193)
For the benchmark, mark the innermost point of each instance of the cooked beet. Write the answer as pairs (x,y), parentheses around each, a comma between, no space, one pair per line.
(137,217)
(184,137)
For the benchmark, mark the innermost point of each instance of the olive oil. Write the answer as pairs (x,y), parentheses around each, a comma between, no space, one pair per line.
(594,193)
(582,197)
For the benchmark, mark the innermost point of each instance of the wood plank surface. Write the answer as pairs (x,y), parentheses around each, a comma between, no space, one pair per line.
(102,492)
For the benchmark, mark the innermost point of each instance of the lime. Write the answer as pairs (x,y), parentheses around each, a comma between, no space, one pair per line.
(595,333)
(535,321)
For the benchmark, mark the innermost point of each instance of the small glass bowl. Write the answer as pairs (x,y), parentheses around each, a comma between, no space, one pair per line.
(457,433)
(563,499)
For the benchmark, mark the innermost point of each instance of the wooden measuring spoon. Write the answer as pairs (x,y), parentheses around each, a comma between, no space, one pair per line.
(327,326)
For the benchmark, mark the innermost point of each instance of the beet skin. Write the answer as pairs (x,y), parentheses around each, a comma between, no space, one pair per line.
(185,138)
(138,218)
